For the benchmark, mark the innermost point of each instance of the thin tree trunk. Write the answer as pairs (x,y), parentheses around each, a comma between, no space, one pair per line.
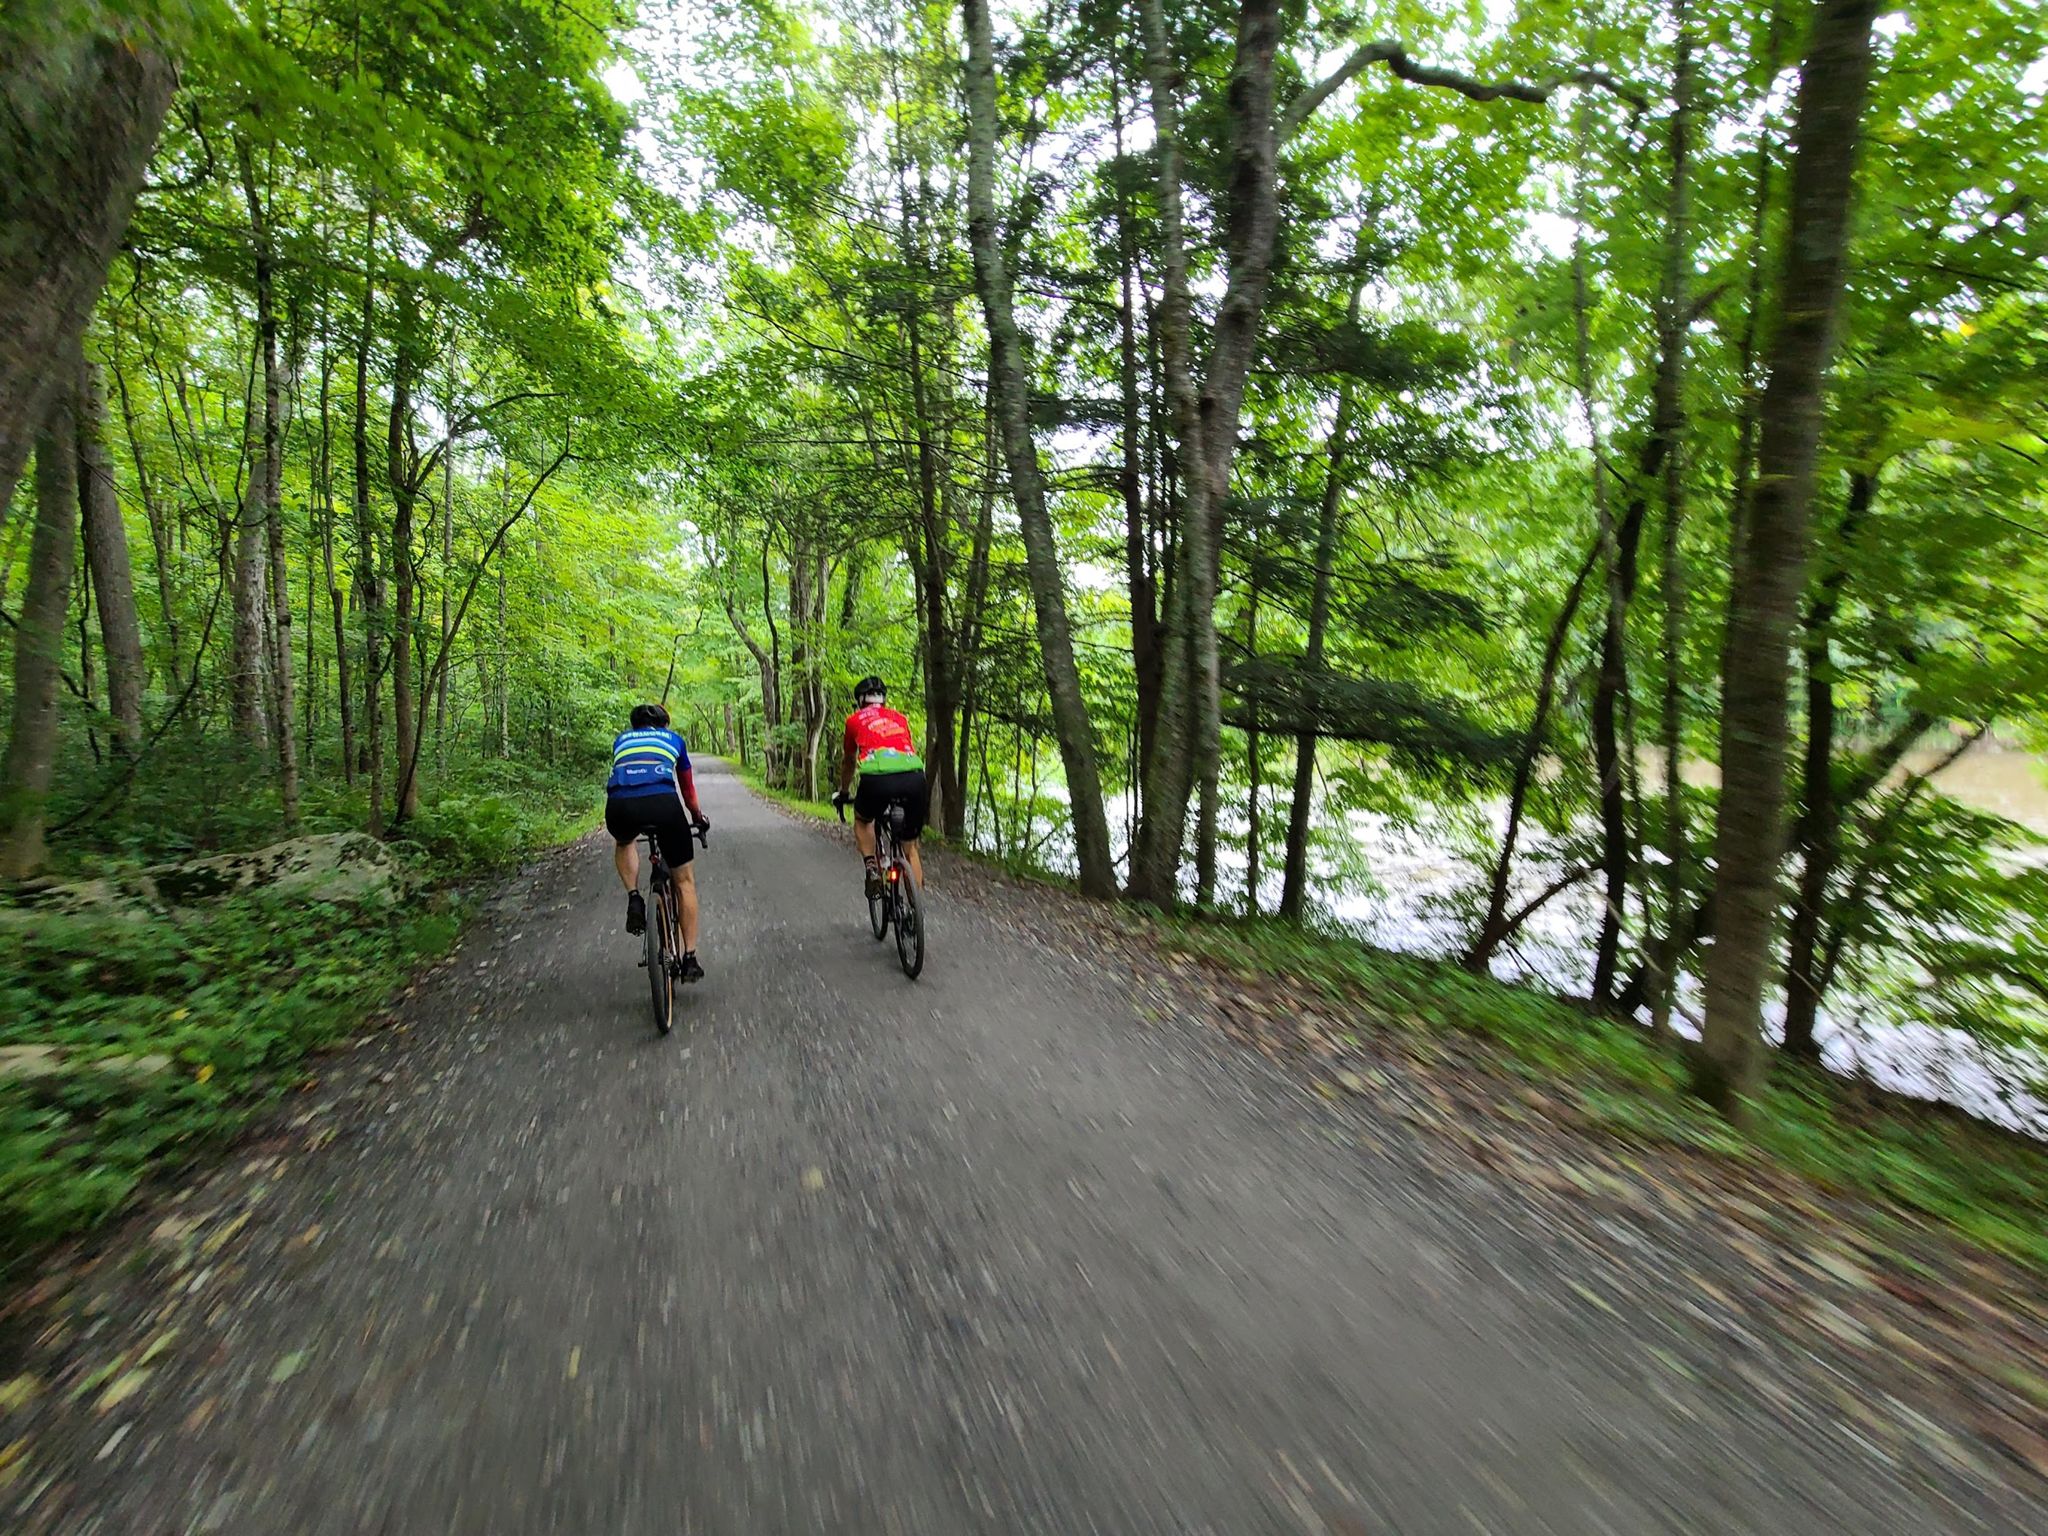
(1139,578)
(79,117)
(1615,863)
(159,527)
(39,635)
(1329,529)
(1251,757)
(1677,303)
(1771,570)
(404,496)
(1817,832)
(1008,389)
(1494,928)
(337,601)
(106,554)
(504,676)
(368,578)
(247,643)
(271,496)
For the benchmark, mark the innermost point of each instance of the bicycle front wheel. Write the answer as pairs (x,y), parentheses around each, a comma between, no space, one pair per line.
(908,917)
(660,982)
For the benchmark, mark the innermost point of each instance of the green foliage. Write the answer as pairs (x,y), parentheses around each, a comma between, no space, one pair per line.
(174,1032)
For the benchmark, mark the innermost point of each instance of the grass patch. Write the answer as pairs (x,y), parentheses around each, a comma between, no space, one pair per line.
(818,810)
(1990,1184)
(174,1032)
(155,1037)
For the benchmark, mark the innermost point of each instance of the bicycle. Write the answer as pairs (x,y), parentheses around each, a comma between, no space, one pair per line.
(899,908)
(664,961)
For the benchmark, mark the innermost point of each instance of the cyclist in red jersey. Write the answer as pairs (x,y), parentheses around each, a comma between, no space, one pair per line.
(879,748)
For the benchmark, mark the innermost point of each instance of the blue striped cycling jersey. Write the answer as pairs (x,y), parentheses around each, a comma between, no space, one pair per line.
(646,763)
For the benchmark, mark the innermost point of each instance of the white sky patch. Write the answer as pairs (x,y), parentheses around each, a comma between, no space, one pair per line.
(622,78)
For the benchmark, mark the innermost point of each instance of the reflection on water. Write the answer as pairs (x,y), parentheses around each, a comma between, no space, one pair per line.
(1398,885)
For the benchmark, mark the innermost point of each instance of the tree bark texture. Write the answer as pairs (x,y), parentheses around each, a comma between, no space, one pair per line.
(1770,570)
(79,118)
(1008,389)
(39,636)
(106,557)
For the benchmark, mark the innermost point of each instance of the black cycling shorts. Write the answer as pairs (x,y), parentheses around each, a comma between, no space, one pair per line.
(627,816)
(874,792)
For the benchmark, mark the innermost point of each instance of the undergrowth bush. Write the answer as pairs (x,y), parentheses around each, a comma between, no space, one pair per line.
(130,1041)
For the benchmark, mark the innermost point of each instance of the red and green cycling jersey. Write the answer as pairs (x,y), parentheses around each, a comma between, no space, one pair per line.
(878,740)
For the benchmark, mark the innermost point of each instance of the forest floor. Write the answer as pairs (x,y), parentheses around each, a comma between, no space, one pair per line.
(1035,1243)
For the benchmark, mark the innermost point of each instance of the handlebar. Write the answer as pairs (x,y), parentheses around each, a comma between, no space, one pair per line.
(839,805)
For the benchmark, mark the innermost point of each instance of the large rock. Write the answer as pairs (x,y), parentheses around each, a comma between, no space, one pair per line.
(338,866)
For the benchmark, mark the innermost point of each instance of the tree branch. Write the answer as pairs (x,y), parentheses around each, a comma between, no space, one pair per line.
(1397,60)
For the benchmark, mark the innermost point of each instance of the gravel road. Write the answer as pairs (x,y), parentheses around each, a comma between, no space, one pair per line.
(999,1250)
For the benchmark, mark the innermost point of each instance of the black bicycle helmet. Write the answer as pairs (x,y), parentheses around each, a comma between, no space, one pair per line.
(870,687)
(649,717)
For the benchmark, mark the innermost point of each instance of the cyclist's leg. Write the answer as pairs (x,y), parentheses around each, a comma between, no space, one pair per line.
(686,905)
(622,822)
(624,827)
(917,806)
(672,829)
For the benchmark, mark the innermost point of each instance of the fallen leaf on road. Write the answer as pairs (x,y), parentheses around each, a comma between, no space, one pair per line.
(814,1179)
(288,1367)
(125,1386)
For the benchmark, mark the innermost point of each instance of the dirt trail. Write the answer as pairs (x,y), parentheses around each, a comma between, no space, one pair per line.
(995,1251)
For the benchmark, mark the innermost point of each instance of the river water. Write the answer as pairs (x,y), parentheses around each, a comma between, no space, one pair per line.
(1398,883)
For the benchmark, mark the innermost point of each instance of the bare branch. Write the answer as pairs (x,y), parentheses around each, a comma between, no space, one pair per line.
(1396,58)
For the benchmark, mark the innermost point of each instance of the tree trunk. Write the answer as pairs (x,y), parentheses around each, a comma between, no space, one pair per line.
(159,527)
(1770,570)
(247,642)
(1329,529)
(1009,395)
(336,599)
(79,117)
(272,496)
(106,556)
(39,634)
(368,578)
(1817,832)
(447,577)
(504,676)
(1617,555)
(404,497)
(1252,766)
(1139,578)
(1670,409)
(1494,928)
(1759,265)
(1190,713)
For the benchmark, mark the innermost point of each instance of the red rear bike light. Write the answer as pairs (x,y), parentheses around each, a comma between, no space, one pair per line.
(895,874)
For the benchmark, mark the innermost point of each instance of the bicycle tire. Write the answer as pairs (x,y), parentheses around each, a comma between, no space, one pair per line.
(879,906)
(661,981)
(909,920)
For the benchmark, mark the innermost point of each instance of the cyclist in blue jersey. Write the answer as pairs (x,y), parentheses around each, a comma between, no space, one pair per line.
(649,790)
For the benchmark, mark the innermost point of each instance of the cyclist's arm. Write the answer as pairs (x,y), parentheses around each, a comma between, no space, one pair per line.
(846,764)
(686,781)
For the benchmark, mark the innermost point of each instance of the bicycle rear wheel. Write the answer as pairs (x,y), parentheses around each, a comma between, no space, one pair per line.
(660,980)
(908,918)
